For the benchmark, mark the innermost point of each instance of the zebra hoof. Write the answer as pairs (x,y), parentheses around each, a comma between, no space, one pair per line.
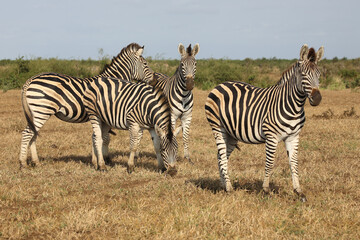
(301,196)
(108,162)
(23,167)
(266,190)
(130,169)
(228,187)
(188,159)
(102,169)
(34,164)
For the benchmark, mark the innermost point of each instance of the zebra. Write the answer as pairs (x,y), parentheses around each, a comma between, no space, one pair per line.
(111,103)
(237,111)
(56,94)
(178,91)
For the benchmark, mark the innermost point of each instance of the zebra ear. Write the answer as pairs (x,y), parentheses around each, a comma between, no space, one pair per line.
(195,50)
(304,52)
(140,51)
(177,130)
(181,49)
(160,132)
(319,54)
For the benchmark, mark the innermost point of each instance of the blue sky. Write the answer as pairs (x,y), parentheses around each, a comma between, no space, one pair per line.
(235,29)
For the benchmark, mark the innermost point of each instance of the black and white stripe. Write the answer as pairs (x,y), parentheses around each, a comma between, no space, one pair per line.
(178,90)
(111,103)
(50,94)
(237,111)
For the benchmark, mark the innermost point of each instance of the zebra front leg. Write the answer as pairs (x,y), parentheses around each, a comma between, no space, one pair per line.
(134,144)
(270,147)
(221,142)
(156,141)
(97,142)
(292,145)
(185,122)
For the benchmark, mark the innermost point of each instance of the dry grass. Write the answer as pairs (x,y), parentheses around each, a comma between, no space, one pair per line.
(65,198)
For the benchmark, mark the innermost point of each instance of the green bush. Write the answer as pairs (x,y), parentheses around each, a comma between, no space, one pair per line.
(335,73)
(350,77)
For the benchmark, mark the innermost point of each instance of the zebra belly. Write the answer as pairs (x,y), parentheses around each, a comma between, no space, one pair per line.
(246,132)
(61,114)
(115,118)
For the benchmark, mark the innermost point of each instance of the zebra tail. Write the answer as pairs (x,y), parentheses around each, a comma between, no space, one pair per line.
(28,113)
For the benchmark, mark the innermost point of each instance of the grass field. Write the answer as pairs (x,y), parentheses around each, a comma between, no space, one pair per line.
(65,198)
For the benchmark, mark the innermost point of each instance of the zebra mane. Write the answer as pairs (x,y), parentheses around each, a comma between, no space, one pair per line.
(132,47)
(188,50)
(285,74)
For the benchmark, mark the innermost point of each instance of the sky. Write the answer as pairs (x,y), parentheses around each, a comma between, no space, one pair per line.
(234,29)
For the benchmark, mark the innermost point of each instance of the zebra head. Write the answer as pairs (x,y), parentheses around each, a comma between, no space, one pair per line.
(129,65)
(310,73)
(168,147)
(188,64)
(140,70)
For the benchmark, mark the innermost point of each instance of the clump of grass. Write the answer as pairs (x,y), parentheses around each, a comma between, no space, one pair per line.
(329,114)
(349,113)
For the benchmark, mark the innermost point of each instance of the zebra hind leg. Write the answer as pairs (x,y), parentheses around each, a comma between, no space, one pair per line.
(34,155)
(28,137)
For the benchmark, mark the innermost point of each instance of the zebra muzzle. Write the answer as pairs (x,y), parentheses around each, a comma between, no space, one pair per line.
(189,83)
(315,97)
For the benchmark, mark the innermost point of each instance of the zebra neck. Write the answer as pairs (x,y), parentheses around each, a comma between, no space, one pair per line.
(179,82)
(293,96)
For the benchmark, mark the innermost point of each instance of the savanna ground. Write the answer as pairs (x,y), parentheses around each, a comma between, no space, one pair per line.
(65,198)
